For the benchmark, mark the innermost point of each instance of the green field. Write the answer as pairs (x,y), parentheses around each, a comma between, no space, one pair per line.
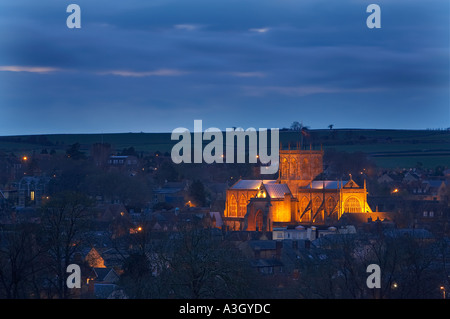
(387,148)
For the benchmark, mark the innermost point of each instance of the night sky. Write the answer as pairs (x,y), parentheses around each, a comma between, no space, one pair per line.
(153,66)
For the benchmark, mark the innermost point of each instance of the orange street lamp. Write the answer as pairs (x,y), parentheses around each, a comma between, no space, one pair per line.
(443,291)
(25,158)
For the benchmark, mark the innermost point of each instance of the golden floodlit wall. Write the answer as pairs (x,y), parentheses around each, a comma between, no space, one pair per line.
(281,210)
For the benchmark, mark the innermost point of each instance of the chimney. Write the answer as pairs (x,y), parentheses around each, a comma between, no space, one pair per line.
(311,233)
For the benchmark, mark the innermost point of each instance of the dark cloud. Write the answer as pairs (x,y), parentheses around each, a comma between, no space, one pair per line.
(146,66)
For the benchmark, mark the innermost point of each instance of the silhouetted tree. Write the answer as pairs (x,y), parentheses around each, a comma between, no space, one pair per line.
(197,193)
(20,256)
(166,172)
(74,152)
(203,265)
(296,126)
(65,219)
(338,268)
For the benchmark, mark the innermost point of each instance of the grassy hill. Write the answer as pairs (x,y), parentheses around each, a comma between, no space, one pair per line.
(387,148)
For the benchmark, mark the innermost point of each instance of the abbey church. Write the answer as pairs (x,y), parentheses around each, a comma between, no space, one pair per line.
(295,198)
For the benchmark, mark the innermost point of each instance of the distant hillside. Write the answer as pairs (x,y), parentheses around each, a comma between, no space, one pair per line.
(387,148)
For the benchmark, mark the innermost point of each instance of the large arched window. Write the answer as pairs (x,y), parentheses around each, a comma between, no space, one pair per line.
(293,168)
(317,214)
(330,204)
(233,206)
(303,204)
(352,205)
(316,204)
(259,220)
(242,206)
(284,168)
(305,165)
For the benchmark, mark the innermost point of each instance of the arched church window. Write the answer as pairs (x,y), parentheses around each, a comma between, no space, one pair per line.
(303,204)
(242,206)
(233,206)
(316,204)
(293,168)
(284,168)
(330,204)
(259,220)
(316,213)
(352,205)
(305,165)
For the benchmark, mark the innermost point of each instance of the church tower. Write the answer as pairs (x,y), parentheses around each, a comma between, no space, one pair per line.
(299,167)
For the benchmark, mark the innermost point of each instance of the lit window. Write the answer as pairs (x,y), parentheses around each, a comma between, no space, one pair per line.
(242,206)
(284,168)
(330,204)
(293,168)
(233,206)
(352,205)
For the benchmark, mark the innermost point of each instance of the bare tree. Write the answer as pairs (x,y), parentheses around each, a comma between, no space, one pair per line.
(296,126)
(193,262)
(337,269)
(203,265)
(64,219)
(19,261)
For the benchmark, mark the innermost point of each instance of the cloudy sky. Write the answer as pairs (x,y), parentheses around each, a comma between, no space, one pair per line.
(156,65)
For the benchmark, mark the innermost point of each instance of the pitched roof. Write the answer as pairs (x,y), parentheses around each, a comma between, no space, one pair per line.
(277,190)
(102,273)
(250,183)
(435,183)
(327,184)
(411,232)
(262,244)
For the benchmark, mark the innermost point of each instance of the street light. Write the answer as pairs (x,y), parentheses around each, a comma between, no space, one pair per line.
(443,291)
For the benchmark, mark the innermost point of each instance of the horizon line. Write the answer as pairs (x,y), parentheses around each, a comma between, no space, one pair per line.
(280,129)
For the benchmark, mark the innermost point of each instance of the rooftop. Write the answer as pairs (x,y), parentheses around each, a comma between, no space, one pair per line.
(251,184)
(277,190)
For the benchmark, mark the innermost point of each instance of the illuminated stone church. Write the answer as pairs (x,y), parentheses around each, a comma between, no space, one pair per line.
(295,198)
